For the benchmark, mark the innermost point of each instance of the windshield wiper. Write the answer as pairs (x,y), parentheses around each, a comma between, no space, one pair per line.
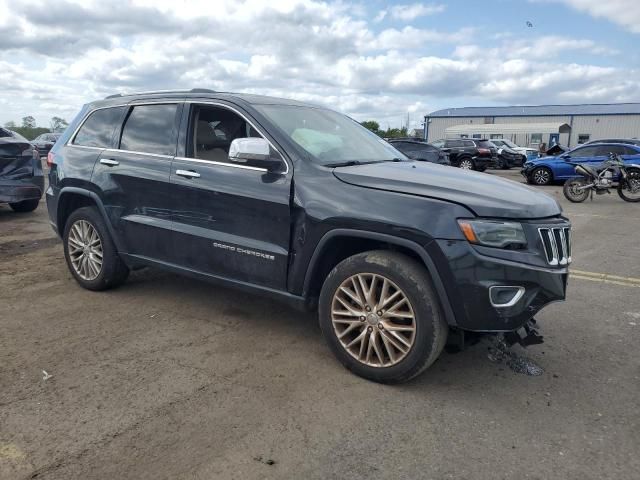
(351,163)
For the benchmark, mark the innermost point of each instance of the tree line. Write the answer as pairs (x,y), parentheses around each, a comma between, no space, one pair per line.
(388,133)
(30,130)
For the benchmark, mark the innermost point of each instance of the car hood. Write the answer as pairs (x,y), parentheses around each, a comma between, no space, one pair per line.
(486,195)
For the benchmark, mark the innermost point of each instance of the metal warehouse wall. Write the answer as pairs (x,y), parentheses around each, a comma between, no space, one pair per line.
(603,126)
(606,126)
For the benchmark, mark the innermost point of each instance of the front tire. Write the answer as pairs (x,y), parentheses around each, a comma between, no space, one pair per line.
(630,186)
(541,176)
(90,253)
(466,164)
(380,316)
(572,192)
(25,206)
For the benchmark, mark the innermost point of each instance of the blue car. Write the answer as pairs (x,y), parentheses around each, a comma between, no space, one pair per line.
(546,170)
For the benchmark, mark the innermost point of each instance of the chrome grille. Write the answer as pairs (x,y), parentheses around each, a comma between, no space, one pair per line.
(557,244)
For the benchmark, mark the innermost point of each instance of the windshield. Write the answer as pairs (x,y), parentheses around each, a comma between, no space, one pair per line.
(509,143)
(329,137)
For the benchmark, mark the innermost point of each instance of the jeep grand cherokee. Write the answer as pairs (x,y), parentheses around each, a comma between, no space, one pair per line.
(302,203)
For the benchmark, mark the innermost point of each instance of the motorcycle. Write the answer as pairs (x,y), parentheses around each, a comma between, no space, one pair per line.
(613,173)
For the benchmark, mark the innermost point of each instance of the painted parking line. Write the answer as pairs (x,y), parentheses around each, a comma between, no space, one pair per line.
(606,278)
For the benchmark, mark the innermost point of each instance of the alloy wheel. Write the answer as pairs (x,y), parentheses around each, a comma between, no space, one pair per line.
(85,250)
(466,164)
(373,320)
(541,176)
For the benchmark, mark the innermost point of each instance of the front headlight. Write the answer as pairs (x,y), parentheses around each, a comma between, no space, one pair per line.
(492,233)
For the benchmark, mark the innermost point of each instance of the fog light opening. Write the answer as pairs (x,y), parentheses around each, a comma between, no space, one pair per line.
(505,296)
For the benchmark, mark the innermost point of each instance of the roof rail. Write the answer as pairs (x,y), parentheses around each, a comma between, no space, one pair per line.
(150,92)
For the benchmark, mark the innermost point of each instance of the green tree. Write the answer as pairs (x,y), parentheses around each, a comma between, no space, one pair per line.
(58,124)
(28,122)
(10,124)
(371,125)
(394,132)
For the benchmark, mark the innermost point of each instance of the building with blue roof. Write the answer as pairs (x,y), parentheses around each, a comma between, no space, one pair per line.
(527,125)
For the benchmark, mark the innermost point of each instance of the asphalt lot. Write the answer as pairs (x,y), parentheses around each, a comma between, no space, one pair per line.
(168,377)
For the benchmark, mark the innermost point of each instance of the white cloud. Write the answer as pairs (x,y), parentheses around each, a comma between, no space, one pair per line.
(415,10)
(623,12)
(54,57)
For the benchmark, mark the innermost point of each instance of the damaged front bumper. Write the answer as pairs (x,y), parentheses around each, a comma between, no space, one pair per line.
(492,295)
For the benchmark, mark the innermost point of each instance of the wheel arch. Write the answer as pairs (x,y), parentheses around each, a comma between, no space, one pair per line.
(545,167)
(338,244)
(73,198)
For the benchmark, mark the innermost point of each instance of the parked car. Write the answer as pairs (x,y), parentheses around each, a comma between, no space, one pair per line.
(420,150)
(508,158)
(21,176)
(630,141)
(545,170)
(44,142)
(526,152)
(468,153)
(304,204)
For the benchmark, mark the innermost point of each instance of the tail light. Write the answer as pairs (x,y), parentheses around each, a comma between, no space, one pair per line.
(51,159)
(484,151)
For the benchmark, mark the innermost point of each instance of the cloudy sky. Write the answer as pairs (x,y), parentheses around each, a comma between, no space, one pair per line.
(371,59)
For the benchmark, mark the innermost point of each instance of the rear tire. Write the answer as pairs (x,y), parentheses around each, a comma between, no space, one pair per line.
(90,253)
(632,181)
(25,206)
(399,338)
(571,191)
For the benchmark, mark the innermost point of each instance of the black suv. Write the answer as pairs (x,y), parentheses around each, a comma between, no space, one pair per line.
(304,204)
(469,153)
(419,150)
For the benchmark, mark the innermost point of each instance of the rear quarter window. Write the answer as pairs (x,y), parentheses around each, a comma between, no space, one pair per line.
(97,130)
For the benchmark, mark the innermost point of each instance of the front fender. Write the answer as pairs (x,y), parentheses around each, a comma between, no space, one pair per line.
(399,241)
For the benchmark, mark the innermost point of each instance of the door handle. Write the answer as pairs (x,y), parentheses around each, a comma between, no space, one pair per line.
(188,173)
(110,162)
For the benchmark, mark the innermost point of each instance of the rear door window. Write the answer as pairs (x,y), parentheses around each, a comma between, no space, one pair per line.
(150,129)
(97,130)
(616,149)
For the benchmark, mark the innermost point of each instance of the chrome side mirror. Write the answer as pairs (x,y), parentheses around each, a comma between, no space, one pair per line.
(243,149)
(254,151)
